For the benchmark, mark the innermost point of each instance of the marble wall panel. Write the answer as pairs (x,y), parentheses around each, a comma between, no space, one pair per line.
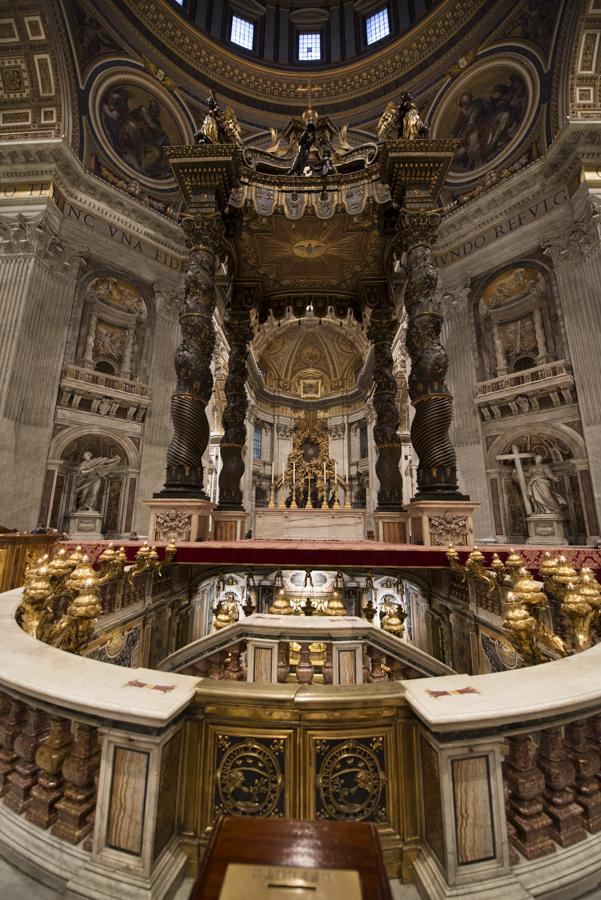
(127,800)
(168,780)
(433,826)
(474,830)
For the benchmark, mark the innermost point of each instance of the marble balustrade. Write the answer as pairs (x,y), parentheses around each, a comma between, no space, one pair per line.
(111,777)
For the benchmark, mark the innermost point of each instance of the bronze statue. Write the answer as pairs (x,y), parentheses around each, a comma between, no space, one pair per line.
(218,127)
(404,117)
(306,142)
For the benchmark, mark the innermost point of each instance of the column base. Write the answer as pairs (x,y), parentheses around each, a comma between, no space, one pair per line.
(84,525)
(178,520)
(438,523)
(432,885)
(546,528)
(391,527)
(101,881)
(229,524)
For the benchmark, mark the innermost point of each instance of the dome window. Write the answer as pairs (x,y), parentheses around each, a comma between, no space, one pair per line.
(377,26)
(309,46)
(242,33)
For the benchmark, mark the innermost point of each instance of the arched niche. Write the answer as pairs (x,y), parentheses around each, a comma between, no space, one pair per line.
(113,329)
(564,452)
(117,494)
(517,322)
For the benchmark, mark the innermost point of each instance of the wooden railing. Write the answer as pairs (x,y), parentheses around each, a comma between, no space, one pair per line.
(18,552)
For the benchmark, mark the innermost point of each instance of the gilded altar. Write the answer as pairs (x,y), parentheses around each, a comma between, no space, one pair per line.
(310,480)
(308,503)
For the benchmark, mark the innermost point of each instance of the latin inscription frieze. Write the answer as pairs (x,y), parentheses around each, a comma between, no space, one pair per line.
(502,229)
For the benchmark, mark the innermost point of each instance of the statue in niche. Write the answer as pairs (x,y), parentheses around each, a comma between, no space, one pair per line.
(404,117)
(91,472)
(218,127)
(540,491)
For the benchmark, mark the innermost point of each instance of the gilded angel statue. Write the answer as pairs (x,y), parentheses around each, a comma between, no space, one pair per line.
(402,117)
(218,126)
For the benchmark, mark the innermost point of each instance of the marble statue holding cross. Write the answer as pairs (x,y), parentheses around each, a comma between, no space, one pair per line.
(543,503)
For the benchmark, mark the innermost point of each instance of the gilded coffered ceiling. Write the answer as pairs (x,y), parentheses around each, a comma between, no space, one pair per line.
(311,254)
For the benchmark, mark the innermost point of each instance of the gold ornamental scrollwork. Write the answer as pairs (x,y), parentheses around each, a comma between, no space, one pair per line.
(351,783)
(310,471)
(249,778)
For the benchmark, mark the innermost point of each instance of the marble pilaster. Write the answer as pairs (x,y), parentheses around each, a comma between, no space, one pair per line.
(37,286)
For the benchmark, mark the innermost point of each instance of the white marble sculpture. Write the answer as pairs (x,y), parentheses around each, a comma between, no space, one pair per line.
(90,474)
(539,488)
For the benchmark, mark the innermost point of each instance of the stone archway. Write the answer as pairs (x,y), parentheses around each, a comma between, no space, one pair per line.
(116,495)
(564,454)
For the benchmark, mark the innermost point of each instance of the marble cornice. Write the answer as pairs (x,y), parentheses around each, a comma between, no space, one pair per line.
(436,40)
(576,143)
(55,161)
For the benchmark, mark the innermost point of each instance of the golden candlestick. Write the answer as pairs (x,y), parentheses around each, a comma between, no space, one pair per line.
(309,500)
(347,496)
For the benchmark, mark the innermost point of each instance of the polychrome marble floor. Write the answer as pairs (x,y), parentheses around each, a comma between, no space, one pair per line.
(14,885)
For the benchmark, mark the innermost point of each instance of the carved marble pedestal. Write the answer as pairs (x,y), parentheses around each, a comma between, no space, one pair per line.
(438,523)
(229,524)
(546,528)
(178,520)
(310,524)
(85,525)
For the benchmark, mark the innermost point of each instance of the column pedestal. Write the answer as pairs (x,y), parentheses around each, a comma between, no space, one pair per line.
(178,520)
(137,852)
(465,851)
(546,528)
(438,523)
(229,525)
(391,527)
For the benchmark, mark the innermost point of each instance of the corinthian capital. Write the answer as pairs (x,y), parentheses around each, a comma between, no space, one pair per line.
(419,228)
(454,298)
(204,232)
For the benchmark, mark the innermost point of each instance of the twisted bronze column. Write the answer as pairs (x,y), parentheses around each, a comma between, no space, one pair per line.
(239,334)
(437,470)
(382,328)
(204,236)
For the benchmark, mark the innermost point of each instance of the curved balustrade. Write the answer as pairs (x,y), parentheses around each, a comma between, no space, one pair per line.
(346,635)
(110,777)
